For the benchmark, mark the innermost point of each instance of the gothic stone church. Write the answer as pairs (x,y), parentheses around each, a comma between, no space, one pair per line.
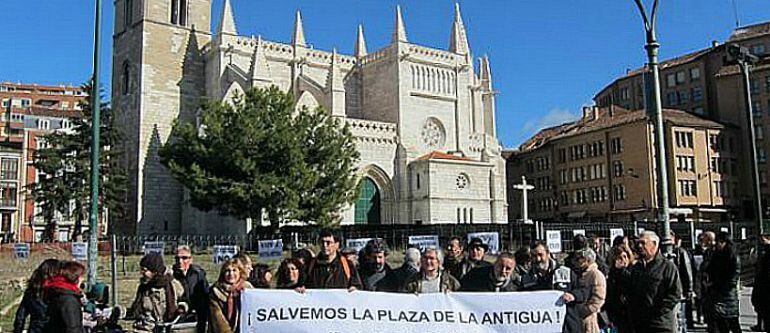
(423,118)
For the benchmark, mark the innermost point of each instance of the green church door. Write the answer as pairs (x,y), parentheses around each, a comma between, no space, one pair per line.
(368,204)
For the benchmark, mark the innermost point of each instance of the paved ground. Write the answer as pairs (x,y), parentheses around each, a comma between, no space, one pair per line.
(748,316)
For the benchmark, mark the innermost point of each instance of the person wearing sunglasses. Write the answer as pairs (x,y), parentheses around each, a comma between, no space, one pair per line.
(196,289)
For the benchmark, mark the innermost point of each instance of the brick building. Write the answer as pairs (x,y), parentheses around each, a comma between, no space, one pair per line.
(34,110)
(601,168)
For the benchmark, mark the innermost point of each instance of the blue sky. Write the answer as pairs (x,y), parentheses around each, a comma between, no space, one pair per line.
(549,57)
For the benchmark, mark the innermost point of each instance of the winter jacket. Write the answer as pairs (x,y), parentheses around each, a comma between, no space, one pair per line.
(555,277)
(483,279)
(218,321)
(332,275)
(34,307)
(760,295)
(447,283)
(196,291)
(65,313)
(371,279)
(396,279)
(453,266)
(616,302)
(150,307)
(721,290)
(683,263)
(653,291)
(586,313)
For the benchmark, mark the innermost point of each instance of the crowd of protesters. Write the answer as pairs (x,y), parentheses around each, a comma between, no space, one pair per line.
(634,289)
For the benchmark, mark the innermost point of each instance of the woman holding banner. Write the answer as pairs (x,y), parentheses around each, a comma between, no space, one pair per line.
(225,298)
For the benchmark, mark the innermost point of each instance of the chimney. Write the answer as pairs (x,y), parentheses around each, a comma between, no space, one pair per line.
(595,110)
(714,44)
(586,112)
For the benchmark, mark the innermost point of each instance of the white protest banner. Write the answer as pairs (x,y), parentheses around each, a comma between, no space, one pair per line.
(224,253)
(361,311)
(615,232)
(744,234)
(492,239)
(553,239)
(80,251)
(357,243)
(271,249)
(724,229)
(424,242)
(21,251)
(154,247)
(578,232)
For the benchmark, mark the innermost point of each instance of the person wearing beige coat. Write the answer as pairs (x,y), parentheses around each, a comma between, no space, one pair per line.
(594,287)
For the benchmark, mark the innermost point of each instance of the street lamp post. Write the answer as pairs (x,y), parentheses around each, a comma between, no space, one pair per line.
(741,56)
(655,111)
(93,226)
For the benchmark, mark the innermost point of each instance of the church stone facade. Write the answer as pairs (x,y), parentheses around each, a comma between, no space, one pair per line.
(423,118)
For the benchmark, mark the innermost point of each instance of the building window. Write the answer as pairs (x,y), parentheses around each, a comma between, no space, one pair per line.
(694,73)
(758,49)
(9,168)
(671,80)
(688,188)
(685,163)
(462,182)
(697,94)
(756,108)
(616,146)
(128,13)
(43,124)
(672,98)
(179,12)
(418,180)
(684,97)
(8,195)
(683,139)
(619,192)
(26,102)
(617,168)
(126,79)
(761,155)
(754,86)
(66,124)
(680,77)
(758,132)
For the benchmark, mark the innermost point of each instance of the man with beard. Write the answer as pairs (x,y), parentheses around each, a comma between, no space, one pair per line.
(546,273)
(454,258)
(196,288)
(501,277)
(395,280)
(374,268)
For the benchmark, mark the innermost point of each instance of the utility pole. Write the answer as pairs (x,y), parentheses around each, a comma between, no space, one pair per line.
(741,56)
(655,112)
(93,225)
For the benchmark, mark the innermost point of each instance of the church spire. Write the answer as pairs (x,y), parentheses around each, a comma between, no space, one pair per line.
(298,39)
(399,34)
(260,71)
(227,24)
(458,40)
(486,74)
(360,49)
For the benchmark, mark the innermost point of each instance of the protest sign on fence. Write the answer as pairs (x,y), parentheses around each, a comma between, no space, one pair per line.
(360,311)
(724,229)
(271,249)
(357,243)
(424,242)
(154,247)
(224,253)
(80,251)
(492,239)
(553,239)
(578,232)
(21,251)
(616,232)
(744,234)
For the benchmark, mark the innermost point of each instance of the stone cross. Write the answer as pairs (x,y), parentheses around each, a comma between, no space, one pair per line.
(524,187)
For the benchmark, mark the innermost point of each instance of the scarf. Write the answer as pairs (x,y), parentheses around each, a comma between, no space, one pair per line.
(60,282)
(233,296)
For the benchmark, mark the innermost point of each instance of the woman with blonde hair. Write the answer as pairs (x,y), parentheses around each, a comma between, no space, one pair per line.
(225,298)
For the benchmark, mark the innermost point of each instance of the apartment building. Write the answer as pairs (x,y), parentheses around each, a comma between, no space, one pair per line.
(601,168)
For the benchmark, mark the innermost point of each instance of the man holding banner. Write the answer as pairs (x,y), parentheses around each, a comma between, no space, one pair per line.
(373,267)
(330,270)
(431,279)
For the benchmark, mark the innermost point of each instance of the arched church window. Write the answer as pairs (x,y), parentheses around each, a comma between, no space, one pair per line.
(125,84)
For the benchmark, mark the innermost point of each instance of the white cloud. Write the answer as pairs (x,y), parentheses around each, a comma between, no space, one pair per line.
(556,116)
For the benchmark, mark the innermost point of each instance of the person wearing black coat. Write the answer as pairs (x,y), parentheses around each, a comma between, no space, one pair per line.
(501,277)
(63,295)
(651,288)
(721,298)
(396,279)
(196,288)
(760,295)
(683,261)
(32,303)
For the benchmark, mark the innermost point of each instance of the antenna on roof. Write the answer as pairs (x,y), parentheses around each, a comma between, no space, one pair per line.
(735,13)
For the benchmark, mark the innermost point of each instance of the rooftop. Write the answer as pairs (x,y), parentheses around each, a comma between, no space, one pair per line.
(437,155)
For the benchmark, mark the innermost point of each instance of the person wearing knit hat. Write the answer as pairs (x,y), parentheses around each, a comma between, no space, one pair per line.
(158,295)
